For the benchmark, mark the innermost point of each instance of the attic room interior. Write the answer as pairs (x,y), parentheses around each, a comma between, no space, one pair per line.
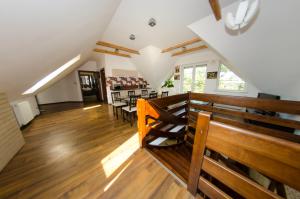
(149,99)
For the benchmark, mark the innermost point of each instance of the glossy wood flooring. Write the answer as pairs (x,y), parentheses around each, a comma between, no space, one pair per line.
(85,154)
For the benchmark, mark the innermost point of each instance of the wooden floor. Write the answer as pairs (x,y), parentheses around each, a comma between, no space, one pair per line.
(85,154)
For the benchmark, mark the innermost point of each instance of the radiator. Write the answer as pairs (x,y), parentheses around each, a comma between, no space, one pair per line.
(23,112)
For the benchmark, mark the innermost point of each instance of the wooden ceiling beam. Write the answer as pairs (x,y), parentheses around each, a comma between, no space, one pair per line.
(216,8)
(111,52)
(181,45)
(189,50)
(110,45)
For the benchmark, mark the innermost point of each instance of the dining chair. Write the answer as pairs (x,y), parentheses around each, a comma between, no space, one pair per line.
(152,95)
(144,92)
(130,110)
(130,93)
(117,103)
(164,94)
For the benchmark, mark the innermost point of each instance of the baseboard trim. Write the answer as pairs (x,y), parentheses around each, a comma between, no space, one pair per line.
(61,102)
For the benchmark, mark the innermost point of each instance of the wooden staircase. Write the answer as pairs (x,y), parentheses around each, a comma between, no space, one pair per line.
(169,129)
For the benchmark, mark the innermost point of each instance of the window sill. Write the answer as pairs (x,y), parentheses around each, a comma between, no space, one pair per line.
(231,91)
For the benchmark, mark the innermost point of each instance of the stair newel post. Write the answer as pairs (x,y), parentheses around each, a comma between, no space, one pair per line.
(198,151)
(141,113)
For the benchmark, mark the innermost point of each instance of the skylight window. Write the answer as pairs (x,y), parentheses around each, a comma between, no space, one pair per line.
(51,76)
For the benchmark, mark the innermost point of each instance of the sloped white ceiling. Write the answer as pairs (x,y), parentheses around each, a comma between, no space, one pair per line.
(37,37)
(154,65)
(172,18)
(267,52)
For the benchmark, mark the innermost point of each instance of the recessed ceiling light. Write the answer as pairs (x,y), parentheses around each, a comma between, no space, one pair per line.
(132,37)
(51,76)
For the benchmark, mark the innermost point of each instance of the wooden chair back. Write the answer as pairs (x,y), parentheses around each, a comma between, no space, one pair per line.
(133,101)
(115,96)
(164,94)
(152,95)
(276,158)
(130,93)
(144,92)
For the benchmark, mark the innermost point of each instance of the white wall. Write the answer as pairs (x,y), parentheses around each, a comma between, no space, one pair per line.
(89,66)
(266,52)
(65,90)
(116,62)
(99,58)
(68,88)
(212,60)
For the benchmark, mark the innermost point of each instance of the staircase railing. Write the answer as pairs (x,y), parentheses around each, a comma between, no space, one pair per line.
(263,119)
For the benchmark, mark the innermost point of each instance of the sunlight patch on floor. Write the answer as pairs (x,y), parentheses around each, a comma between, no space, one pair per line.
(116,158)
(116,177)
(91,107)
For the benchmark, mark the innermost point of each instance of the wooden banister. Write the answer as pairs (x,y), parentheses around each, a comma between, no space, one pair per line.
(221,125)
(283,106)
(275,158)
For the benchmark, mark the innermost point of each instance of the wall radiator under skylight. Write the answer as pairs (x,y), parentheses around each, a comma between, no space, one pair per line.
(23,112)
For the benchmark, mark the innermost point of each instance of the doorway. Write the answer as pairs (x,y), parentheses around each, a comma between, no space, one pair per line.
(103,85)
(90,86)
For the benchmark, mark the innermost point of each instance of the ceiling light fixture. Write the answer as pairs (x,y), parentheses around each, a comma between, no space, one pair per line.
(51,76)
(132,37)
(152,22)
(244,15)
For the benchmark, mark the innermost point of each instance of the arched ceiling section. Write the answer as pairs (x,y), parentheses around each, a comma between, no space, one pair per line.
(267,52)
(37,37)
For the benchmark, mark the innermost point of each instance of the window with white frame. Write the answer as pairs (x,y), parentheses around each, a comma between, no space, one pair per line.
(228,81)
(193,78)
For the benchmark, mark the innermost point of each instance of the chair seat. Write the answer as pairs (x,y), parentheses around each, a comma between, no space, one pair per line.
(133,109)
(118,104)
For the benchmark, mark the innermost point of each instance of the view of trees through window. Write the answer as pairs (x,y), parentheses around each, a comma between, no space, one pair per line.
(194,78)
(230,81)
(200,75)
(187,79)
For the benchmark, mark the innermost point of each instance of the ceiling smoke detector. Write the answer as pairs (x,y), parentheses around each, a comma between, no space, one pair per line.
(132,37)
(152,22)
